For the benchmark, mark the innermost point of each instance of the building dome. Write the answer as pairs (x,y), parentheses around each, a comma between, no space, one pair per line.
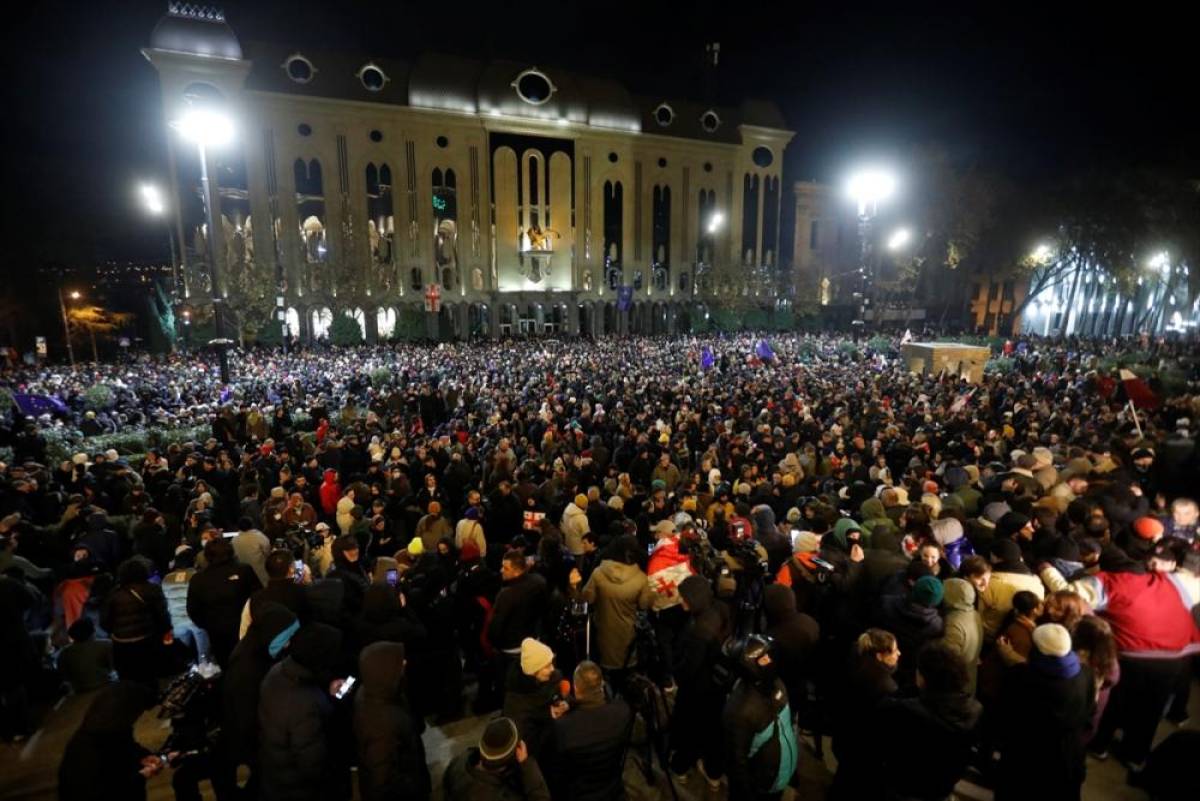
(196,30)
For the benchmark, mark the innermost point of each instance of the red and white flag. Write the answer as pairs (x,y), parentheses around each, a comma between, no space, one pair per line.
(666,570)
(1138,392)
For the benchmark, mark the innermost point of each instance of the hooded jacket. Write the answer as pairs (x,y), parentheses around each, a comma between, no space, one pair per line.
(914,625)
(383,620)
(330,493)
(344,507)
(294,709)
(759,739)
(102,759)
(796,636)
(698,648)
(618,591)
(391,756)
(466,780)
(964,626)
(574,526)
(273,627)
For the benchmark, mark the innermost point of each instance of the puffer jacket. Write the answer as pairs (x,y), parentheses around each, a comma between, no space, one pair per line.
(964,626)
(759,739)
(294,711)
(574,526)
(274,625)
(391,756)
(618,591)
(914,625)
(134,612)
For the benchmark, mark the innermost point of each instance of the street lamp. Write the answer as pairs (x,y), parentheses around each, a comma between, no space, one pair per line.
(156,206)
(868,188)
(899,239)
(62,306)
(715,222)
(206,127)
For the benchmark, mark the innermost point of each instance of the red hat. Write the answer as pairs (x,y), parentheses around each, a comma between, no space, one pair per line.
(1148,528)
(931,487)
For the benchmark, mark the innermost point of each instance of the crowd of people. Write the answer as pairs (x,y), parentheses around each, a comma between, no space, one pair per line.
(691,549)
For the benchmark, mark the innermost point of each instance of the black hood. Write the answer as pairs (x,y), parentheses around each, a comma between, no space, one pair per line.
(117,707)
(381,669)
(316,647)
(780,603)
(380,604)
(270,620)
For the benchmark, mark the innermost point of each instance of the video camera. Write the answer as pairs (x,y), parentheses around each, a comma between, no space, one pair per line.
(191,703)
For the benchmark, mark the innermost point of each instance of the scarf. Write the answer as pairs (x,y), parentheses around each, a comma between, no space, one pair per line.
(1059,667)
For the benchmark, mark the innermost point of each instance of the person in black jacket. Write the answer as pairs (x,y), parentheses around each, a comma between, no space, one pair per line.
(586,748)
(517,612)
(216,595)
(265,642)
(761,750)
(102,760)
(383,619)
(391,756)
(282,587)
(698,704)
(348,569)
(500,769)
(294,711)
(136,618)
(530,690)
(870,682)
(1045,707)
(796,636)
(942,721)
(915,620)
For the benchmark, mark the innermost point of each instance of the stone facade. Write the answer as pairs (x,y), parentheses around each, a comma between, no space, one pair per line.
(536,200)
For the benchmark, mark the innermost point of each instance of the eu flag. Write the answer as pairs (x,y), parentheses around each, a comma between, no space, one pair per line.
(707,360)
(37,405)
(763,350)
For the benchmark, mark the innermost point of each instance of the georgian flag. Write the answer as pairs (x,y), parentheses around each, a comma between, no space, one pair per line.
(666,570)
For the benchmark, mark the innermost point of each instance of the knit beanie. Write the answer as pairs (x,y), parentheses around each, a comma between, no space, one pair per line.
(581,501)
(1051,639)
(995,510)
(793,515)
(927,591)
(807,542)
(1148,528)
(499,741)
(416,546)
(534,656)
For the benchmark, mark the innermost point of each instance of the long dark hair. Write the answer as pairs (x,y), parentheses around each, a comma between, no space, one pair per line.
(1094,635)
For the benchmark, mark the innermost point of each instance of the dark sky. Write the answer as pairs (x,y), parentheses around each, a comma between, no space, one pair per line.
(1030,91)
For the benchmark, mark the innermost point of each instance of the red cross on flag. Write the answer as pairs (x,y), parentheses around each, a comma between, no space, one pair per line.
(433,298)
(667,570)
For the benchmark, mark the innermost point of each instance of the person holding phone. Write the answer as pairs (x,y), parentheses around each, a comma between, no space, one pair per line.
(295,711)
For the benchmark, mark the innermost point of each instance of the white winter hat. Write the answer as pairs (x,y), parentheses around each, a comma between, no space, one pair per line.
(1052,639)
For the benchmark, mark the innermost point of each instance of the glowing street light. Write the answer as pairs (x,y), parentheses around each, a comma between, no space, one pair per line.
(205,126)
(152,199)
(870,187)
(899,238)
(1042,253)
(715,222)
(1161,262)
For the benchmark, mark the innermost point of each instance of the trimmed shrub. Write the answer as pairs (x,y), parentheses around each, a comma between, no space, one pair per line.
(345,331)
(97,397)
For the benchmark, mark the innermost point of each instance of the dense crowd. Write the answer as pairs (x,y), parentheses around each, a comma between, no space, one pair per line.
(691,548)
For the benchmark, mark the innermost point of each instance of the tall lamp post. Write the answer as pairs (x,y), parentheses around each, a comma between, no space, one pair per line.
(205,127)
(155,206)
(62,306)
(868,188)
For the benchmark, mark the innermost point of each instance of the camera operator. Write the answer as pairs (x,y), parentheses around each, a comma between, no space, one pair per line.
(761,748)
(102,759)
(587,743)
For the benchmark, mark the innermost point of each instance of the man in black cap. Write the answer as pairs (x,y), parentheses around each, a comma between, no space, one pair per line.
(500,769)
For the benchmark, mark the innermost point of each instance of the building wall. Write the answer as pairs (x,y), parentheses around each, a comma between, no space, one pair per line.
(486,265)
(825,243)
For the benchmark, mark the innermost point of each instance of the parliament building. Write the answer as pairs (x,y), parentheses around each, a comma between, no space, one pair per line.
(512,198)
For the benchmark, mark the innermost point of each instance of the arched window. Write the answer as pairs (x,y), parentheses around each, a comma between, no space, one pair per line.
(710,221)
(445,229)
(320,319)
(750,220)
(613,222)
(385,322)
(310,211)
(416,279)
(381,224)
(292,322)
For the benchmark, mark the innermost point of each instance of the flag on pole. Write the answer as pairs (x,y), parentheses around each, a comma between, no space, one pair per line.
(624,298)
(908,337)
(707,360)
(1139,394)
(37,405)
(961,401)
(763,350)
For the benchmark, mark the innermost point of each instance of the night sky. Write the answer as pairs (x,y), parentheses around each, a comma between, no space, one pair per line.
(1031,92)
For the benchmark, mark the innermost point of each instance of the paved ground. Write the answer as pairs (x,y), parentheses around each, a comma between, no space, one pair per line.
(28,771)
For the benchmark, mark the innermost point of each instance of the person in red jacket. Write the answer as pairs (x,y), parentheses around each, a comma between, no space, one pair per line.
(330,492)
(1150,613)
